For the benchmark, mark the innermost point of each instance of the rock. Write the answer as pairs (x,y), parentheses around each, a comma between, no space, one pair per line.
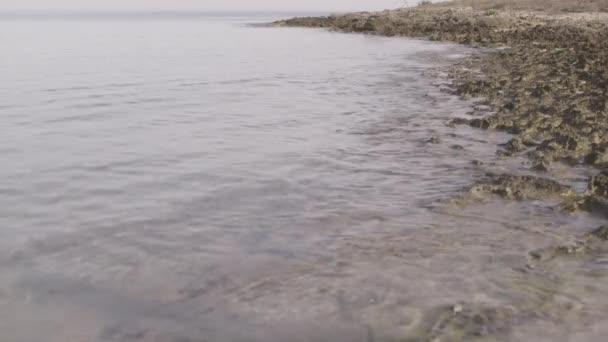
(598,185)
(521,188)
(516,145)
(598,157)
(550,253)
(480,123)
(601,233)
(458,121)
(465,322)
(434,140)
(587,243)
(542,165)
(587,202)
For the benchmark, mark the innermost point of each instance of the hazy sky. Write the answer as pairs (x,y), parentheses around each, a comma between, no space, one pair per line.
(306,5)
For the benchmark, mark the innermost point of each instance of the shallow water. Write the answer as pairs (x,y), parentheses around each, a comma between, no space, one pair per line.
(196,178)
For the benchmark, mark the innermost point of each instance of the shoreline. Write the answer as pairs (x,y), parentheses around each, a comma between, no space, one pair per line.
(545,80)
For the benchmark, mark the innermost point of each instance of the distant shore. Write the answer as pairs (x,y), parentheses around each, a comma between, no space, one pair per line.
(545,80)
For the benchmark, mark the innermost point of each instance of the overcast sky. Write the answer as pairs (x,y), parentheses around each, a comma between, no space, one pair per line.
(262,5)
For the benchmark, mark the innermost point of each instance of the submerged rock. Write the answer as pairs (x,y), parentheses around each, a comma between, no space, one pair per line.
(458,121)
(588,243)
(588,203)
(570,248)
(434,140)
(465,322)
(601,233)
(521,188)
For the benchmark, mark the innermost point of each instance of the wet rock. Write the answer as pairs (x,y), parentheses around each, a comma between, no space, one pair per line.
(465,322)
(458,121)
(588,243)
(598,185)
(480,123)
(521,188)
(570,248)
(588,203)
(517,145)
(308,22)
(542,165)
(601,233)
(595,200)
(504,153)
(123,333)
(434,140)
(598,157)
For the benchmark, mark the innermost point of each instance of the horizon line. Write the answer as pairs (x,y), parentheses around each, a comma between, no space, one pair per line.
(160,11)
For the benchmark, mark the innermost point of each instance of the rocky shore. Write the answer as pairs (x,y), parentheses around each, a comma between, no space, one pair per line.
(545,80)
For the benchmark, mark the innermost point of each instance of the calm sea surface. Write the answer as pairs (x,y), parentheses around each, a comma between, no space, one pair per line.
(193,177)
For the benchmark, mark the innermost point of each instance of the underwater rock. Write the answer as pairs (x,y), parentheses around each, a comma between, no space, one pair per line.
(465,322)
(521,187)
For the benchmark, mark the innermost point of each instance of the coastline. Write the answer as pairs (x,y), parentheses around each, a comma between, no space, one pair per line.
(545,81)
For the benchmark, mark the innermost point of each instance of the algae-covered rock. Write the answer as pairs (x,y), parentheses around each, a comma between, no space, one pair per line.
(595,200)
(521,187)
(587,243)
(542,164)
(598,157)
(586,202)
(598,185)
(569,248)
